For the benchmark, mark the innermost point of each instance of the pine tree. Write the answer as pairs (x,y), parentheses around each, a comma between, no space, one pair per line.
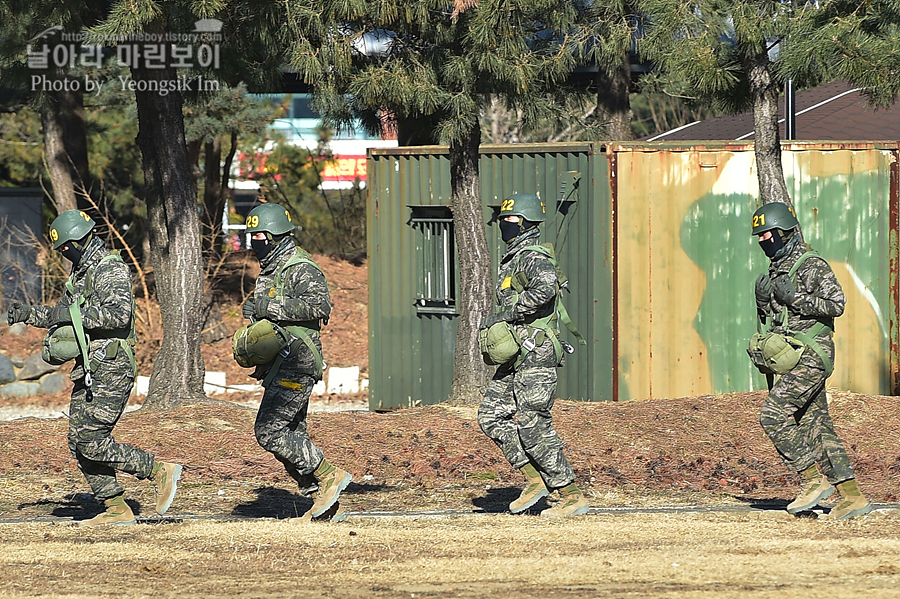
(250,50)
(738,53)
(436,63)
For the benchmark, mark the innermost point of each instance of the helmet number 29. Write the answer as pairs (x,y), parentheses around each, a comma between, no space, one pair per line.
(253,220)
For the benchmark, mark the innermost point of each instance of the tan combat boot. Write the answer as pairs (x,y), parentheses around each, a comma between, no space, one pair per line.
(814,487)
(854,503)
(332,481)
(117,513)
(532,493)
(165,477)
(571,503)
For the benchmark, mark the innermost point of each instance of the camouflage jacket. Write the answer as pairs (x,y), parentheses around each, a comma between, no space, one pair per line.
(108,302)
(819,295)
(306,298)
(537,299)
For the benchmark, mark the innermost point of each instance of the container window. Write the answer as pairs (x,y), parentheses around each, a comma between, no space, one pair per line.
(435,260)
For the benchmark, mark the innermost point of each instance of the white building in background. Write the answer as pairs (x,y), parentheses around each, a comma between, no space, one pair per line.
(299,127)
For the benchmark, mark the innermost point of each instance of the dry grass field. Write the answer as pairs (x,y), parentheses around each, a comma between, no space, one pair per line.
(767,555)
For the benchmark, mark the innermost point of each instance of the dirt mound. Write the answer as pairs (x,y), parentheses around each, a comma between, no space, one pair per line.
(690,450)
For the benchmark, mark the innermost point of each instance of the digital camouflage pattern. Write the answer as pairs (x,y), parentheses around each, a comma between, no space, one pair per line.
(515,411)
(94,412)
(281,422)
(795,414)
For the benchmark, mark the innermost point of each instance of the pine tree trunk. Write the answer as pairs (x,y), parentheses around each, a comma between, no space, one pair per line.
(470,374)
(65,146)
(175,246)
(767,147)
(213,199)
(615,102)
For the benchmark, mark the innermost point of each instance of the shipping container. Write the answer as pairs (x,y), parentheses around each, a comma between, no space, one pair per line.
(655,239)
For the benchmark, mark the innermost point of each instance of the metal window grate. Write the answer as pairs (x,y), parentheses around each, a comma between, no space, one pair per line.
(435,260)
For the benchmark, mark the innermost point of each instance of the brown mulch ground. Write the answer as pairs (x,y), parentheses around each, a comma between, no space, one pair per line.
(689,450)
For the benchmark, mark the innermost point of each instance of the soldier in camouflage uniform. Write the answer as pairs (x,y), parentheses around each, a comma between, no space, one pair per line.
(795,414)
(103,280)
(303,302)
(515,411)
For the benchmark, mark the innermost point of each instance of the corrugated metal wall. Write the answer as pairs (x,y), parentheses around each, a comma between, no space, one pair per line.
(687,307)
(655,239)
(411,352)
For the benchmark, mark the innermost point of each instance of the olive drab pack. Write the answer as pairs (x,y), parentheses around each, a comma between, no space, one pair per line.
(537,330)
(60,345)
(68,342)
(258,344)
(776,353)
(499,343)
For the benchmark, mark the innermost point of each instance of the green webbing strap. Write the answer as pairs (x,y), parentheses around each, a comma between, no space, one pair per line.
(548,324)
(299,257)
(84,340)
(301,334)
(564,318)
(809,337)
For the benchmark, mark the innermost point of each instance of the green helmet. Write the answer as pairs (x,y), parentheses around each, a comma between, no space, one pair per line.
(270,218)
(71,225)
(526,205)
(773,216)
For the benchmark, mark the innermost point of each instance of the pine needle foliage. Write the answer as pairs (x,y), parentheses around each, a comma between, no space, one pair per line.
(433,58)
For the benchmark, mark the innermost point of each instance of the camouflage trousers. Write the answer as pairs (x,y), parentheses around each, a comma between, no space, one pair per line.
(795,417)
(280,427)
(92,415)
(515,414)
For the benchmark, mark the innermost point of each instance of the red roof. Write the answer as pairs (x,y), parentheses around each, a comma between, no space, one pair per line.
(835,111)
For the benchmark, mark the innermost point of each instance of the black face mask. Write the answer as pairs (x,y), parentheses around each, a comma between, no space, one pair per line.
(509,230)
(73,251)
(261,247)
(773,244)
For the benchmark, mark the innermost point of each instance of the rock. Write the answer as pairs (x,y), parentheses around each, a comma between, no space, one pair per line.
(18,328)
(53,383)
(343,380)
(18,361)
(20,389)
(7,372)
(35,368)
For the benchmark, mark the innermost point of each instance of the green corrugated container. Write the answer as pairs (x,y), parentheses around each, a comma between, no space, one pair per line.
(655,241)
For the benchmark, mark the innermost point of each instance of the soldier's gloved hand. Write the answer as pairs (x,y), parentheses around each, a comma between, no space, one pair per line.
(784,290)
(18,312)
(492,319)
(763,290)
(261,307)
(59,314)
(248,310)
